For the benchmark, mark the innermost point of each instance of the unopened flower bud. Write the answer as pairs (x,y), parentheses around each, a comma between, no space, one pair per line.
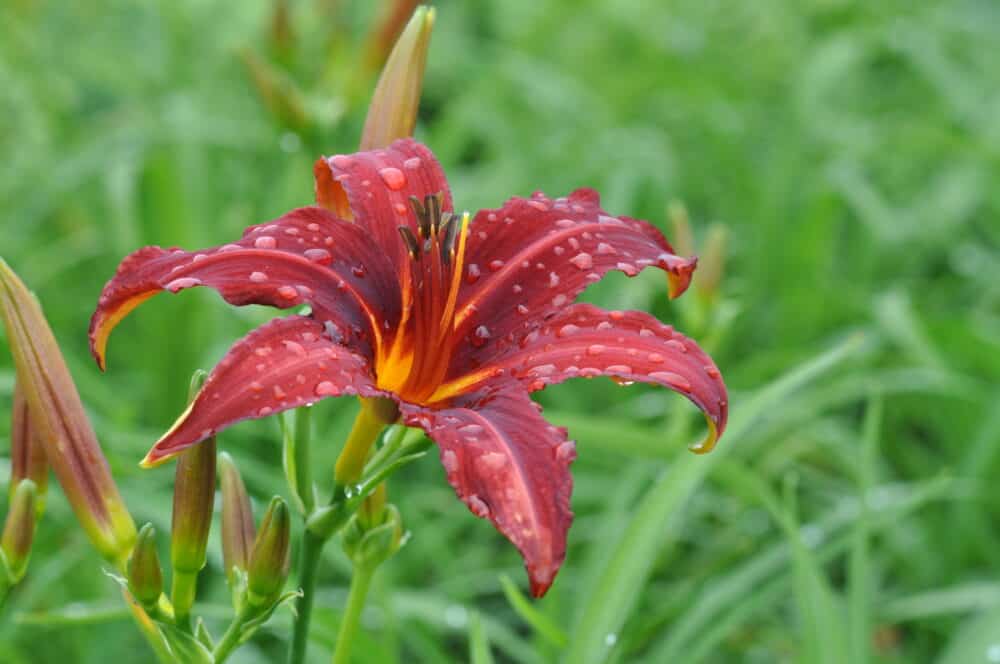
(145,577)
(393,110)
(712,264)
(371,546)
(237,518)
(60,422)
(19,530)
(27,455)
(194,495)
(271,556)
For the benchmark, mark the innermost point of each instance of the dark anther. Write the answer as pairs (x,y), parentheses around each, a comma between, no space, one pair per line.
(433,204)
(423,220)
(449,231)
(412,246)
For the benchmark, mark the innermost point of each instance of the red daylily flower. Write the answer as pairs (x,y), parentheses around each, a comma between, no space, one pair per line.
(456,321)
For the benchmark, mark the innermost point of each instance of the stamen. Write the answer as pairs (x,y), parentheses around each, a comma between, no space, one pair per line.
(423,221)
(433,203)
(412,245)
(449,232)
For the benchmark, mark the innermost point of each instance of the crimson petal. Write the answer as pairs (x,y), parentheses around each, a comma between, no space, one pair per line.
(287,363)
(588,341)
(306,256)
(529,259)
(377,186)
(509,465)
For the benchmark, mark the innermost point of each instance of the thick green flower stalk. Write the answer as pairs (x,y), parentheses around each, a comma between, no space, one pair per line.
(60,422)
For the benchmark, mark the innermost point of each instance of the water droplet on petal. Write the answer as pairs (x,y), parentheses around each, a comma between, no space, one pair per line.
(265,242)
(318,255)
(393,178)
(677,345)
(496,265)
(472,273)
(478,507)
(566,451)
(567,330)
(553,279)
(265,411)
(583,261)
(672,379)
(413,163)
(605,248)
(565,223)
(325,389)
(479,337)
(278,392)
(559,300)
(288,293)
(294,347)
(544,370)
(258,277)
(183,282)
(595,349)
(523,310)
(313,227)
(712,372)
(359,271)
(449,461)
(492,461)
(341,161)
(655,358)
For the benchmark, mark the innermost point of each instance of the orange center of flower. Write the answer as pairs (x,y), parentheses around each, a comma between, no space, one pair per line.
(414,364)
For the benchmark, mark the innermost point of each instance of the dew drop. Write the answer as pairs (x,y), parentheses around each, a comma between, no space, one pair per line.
(583,261)
(558,250)
(567,330)
(553,279)
(265,411)
(677,345)
(294,347)
(655,358)
(265,242)
(627,268)
(325,389)
(646,332)
(523,310)
(313,227)
(278,392)
(258,277)
(566,451)
(183,282)
(449,461)
(559,300)
(472,273)
(712,372)
(291,231)
(595,349)
(604,325)
(565,223)
(480,335)
(492,461)
(605,248)
(288,292)
(413,163)
(393,178)
(672,379)
(544,370)
(496,265)
(620,368)
(478,507)
(341,161)
(318,255)
(517,288)
(358,271)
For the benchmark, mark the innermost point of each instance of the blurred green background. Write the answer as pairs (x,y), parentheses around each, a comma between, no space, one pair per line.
(843,158)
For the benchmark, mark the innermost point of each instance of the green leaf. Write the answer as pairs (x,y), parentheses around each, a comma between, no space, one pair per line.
(976,641)
(479,645)
(185,647)
(540,622)
(658,515)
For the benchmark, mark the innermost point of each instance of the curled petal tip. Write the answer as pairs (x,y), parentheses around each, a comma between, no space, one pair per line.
(679,277)
(707,444)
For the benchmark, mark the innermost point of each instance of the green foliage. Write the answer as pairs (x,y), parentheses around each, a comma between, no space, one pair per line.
(852,152)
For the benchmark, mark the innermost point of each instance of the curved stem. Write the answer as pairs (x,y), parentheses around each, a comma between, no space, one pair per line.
(182,594)
(360,582)
(312,549)
(230,639)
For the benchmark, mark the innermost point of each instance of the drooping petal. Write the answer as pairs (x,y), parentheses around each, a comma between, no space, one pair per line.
(378,185)
(588,341)
(306,256)
(508,465)
(287,363)
(532,257)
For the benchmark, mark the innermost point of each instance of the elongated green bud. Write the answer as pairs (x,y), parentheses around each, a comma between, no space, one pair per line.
(27,454)
(271,555)
(19,530)
(145,577)
(393,110)
(60,422)
(237,518)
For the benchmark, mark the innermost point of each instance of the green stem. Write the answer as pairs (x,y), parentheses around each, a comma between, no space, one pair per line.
(182,593)
(230,639)
(360,582)
(312,549)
